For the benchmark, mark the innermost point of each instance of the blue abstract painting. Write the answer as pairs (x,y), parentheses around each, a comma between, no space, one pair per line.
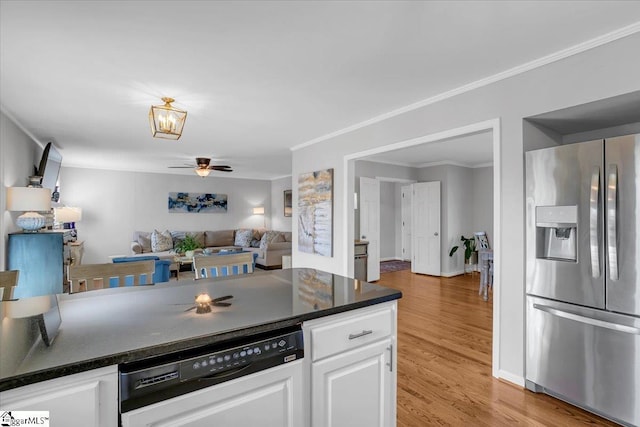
(197,203)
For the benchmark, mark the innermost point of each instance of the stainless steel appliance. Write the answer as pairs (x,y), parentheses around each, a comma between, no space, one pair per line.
(583,275)
(161,389)
(360,262)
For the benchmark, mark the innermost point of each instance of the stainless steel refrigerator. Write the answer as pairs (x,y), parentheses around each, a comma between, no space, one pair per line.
(583,275)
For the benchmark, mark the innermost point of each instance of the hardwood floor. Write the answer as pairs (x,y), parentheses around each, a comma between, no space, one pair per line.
(444,361)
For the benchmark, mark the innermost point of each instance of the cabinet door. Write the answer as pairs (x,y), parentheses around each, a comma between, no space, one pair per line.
(355,388)
(269,398)
(38,256)
(86,399)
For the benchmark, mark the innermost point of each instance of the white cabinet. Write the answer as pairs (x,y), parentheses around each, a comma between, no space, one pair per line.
(272,397)
(86,399)
(354,388)
(351,363)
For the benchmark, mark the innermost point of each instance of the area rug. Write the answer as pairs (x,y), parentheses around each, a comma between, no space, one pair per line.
(389,266)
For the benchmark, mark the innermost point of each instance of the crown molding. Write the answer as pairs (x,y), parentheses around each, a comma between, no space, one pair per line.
(511,72)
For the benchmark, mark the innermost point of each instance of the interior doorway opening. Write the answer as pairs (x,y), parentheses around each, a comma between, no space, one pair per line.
(492,127)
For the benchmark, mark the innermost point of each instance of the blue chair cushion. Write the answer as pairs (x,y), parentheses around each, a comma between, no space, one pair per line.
(161,273)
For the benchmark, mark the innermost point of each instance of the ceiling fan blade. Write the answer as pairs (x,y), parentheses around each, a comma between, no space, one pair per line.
(219,167)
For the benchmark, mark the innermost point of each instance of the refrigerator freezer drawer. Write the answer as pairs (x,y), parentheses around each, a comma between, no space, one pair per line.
(588,357)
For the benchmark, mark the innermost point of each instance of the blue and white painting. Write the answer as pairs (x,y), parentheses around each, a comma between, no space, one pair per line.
(197,203)
(315,212)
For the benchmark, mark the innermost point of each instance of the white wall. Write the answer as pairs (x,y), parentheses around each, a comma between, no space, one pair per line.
(114,204)
(598,73)
(279,222)
(482,210)
(18,155)
(388,224)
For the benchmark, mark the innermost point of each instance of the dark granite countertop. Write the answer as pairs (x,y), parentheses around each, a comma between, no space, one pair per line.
(112,326)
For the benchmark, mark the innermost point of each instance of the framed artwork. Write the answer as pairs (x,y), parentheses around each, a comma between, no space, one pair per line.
(288,203)
(315,212)
(197,203)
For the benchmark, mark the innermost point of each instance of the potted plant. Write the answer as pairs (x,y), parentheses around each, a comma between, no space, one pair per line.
(470,253)
(187,246)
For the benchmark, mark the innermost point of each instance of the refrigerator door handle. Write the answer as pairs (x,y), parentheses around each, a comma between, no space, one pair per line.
(587,320)
(593,222)
(612,211)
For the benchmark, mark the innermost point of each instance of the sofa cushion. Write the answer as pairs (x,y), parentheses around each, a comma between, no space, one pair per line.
(243,237)
(218,238)
(179,236)
(271,237)
(161,241)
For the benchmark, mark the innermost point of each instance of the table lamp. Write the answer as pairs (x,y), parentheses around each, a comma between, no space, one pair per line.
(68,215)
(31,200)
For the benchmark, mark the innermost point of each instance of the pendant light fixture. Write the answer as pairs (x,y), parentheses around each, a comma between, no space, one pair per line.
(166,121)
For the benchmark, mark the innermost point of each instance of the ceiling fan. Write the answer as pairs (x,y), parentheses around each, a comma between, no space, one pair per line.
(203,167)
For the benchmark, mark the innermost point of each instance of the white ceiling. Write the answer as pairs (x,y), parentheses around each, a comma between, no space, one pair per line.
(472,150)
(257,78)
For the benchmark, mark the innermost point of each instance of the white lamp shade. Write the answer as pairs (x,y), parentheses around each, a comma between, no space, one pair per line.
(68,214)
(258,210)
(28,199)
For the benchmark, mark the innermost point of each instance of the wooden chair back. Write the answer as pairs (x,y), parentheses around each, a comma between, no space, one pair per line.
(223,265)
(87,277)
(8,281)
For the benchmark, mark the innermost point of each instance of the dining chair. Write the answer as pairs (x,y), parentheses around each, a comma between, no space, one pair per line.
(8,282)
(87,277)
(485,257)
(206,266)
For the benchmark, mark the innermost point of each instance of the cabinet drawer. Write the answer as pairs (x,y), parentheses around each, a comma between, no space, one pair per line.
(360,250)
(350,332)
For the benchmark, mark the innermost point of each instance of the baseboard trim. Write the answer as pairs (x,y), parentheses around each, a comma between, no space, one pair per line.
(512,378)
(391,259)
(452,273)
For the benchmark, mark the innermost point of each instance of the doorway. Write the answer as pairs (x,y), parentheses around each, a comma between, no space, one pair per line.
(439,139)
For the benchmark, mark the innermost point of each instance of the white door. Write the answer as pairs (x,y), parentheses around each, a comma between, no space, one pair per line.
(370,224)
(426,228)
(354,388)
(406,222)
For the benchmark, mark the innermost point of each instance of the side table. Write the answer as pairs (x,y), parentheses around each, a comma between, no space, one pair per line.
(178,263)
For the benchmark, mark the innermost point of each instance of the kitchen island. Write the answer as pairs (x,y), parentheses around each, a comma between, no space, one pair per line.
(101,330)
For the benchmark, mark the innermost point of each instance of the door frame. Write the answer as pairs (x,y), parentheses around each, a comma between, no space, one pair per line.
(492,125)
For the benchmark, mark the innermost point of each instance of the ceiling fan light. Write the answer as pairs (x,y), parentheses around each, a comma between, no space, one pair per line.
(166,121)
(202,172)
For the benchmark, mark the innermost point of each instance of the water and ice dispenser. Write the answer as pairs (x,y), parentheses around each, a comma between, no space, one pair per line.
(556,232)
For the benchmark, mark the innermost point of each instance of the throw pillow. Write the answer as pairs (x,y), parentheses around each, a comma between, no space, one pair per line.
(270,237)
(145,243)
(255,243)
(161,242)
(243,237)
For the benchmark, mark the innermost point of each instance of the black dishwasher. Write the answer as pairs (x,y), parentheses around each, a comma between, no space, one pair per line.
(153,380)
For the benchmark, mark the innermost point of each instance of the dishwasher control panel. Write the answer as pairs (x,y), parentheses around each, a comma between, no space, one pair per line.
(283,347)
(156,379)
